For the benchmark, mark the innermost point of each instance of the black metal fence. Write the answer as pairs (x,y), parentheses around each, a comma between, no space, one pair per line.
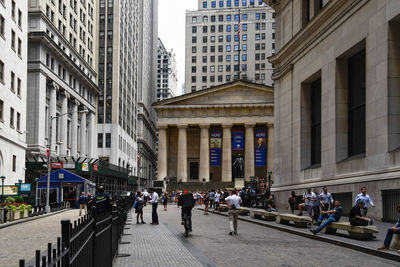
(91,241)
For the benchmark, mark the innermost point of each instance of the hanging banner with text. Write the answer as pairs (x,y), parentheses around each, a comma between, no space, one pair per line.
(215,148)
(260,147)
(238,140)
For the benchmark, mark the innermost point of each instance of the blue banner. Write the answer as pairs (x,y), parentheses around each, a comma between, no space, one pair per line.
(238,140)
(260,147)
(215,148)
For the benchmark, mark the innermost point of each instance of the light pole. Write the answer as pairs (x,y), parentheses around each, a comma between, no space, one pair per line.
(20,182)
(47,208)
(2,188)
(37,192)
(269,182)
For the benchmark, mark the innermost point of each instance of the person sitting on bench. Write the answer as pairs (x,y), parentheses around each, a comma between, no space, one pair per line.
(270,204)
(393,230)
(356,219)
(332,216)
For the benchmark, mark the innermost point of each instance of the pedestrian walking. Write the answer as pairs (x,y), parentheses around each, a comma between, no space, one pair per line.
(164,200)
(139,207)
(292,201)
(206,202)
(233,202)
(217,199)
(89,202)
(212,198)
(154,204)
(326,199)
(82,203)
(173,197)
(367,200)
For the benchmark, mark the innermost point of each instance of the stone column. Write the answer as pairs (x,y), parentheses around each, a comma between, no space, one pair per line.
(204,171)
(52,113)
(270,149)
(226,153)
(162,163)
(182,153)
(83,135)
(64,124)
(74,129)
(249,152)
(92,133)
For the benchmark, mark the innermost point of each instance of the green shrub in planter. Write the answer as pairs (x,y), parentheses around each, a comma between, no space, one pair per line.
(19,199)
(10,200)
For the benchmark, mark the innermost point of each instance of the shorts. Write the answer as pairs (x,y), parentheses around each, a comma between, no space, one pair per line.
(216,204)
(309,209)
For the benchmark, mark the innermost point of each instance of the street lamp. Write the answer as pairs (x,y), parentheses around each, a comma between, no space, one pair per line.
(37,193)
(47,208)
(20,182)
(269,182)
(2,188)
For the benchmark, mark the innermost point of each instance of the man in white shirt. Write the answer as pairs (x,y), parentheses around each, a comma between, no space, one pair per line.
(154,204)
(233,202)
(217,199)
(309,198)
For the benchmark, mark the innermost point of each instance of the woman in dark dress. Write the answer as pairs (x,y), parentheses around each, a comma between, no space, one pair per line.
(292,201)
(139,207)
(164,200)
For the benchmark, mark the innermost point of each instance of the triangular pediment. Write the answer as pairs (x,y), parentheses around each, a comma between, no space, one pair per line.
(235,93)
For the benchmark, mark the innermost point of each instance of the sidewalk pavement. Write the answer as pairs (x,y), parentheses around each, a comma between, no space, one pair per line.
(161,245)
(340,239)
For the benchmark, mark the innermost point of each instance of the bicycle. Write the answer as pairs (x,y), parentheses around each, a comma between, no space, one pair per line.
(187,223)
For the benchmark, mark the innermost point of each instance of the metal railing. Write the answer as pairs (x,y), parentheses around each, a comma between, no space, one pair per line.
(90,241)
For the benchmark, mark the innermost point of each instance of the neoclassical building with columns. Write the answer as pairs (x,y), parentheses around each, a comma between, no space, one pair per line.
(216,134)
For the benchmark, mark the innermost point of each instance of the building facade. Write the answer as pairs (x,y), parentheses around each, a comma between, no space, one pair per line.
(13,93)
(147,132)
(167,80)
(217,135)
(227,40)
(118,68)
(62,77)
(336,100)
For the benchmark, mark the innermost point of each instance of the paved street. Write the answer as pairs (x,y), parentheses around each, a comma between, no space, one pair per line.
(22,240)
(210,245)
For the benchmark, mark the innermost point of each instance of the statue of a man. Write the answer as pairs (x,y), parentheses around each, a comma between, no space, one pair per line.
(238,167)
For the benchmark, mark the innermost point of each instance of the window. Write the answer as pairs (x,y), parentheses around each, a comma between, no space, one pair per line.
(244,37)
(220,58)
(228,48)
(221,18)
(237,17)
(204,79)
(1,110)
(14,163)
(204,49)
(194,39)
(228,38)
(99,140)
(356,105)
(194,29)
(244,57)
(205,4)
(244,67)
(258,16)
(18,121)
(212,58)
(193,79)
(221,3)
(204,39)
(220,38)
(228,68)
(236,47)
(236,58)
(204,69)
(194,19)
(257,36)
(212,49)
(220,28)
(244,2)
(193,69)
(108,140)
(2,22)
(194,59)
(194,49)
(236,2)
(212,79)
(228,17)
(205,19)
(19,18)
(228,58)
(213,4)
(212,18)
(12,82)
(13,9)
(19,47)
(316,122)
(220,68)
(236,38)
(205,28)
(212,68)
(228,3)
(244,27)
(244,47)
(13,40)
(244,16)
(220,48)
(204,59)
(212,28)
(228,78)
(12,118)
(257,26)
(1,71)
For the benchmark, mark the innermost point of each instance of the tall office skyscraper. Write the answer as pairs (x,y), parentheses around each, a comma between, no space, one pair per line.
(227,40)
(13,65)
(127,61)
(62,77)
(166,73)
(147,136)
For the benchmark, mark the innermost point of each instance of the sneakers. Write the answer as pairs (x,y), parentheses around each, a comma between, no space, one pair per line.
(235,233)
(143,222)
(313,231)
(230,233)
(383,248)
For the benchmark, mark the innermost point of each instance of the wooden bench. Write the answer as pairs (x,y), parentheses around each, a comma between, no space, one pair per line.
(223,207)
(244,211)
(299,221)
(263,214)
(357,232)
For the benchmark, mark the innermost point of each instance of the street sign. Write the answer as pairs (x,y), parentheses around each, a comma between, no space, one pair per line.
(25,187)
(56,165)
(69,166)
(10,190)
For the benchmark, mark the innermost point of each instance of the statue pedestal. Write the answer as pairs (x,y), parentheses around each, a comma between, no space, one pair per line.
(239,183)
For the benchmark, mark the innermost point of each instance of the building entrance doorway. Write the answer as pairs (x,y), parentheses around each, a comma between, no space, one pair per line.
(194,171)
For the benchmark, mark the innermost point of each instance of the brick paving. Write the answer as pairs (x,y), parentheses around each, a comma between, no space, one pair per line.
(210,245)
(20,241)
(153,246)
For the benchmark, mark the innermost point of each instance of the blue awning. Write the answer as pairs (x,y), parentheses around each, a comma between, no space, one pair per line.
(63,176)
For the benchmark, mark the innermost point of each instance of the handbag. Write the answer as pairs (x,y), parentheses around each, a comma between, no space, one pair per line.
(135,204)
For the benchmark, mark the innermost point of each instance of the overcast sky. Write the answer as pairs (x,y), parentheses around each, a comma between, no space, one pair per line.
(171,30)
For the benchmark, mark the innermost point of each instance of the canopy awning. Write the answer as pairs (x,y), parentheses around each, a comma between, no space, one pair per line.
(64,176)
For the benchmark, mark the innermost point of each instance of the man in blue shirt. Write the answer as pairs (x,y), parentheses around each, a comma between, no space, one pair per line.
(332,216)
(82,203)
(367,200)
(393,230)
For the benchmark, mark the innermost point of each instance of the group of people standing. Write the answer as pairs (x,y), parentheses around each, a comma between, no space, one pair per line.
(141,199)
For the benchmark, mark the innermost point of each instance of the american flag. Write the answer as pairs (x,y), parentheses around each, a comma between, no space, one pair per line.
(238,30)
